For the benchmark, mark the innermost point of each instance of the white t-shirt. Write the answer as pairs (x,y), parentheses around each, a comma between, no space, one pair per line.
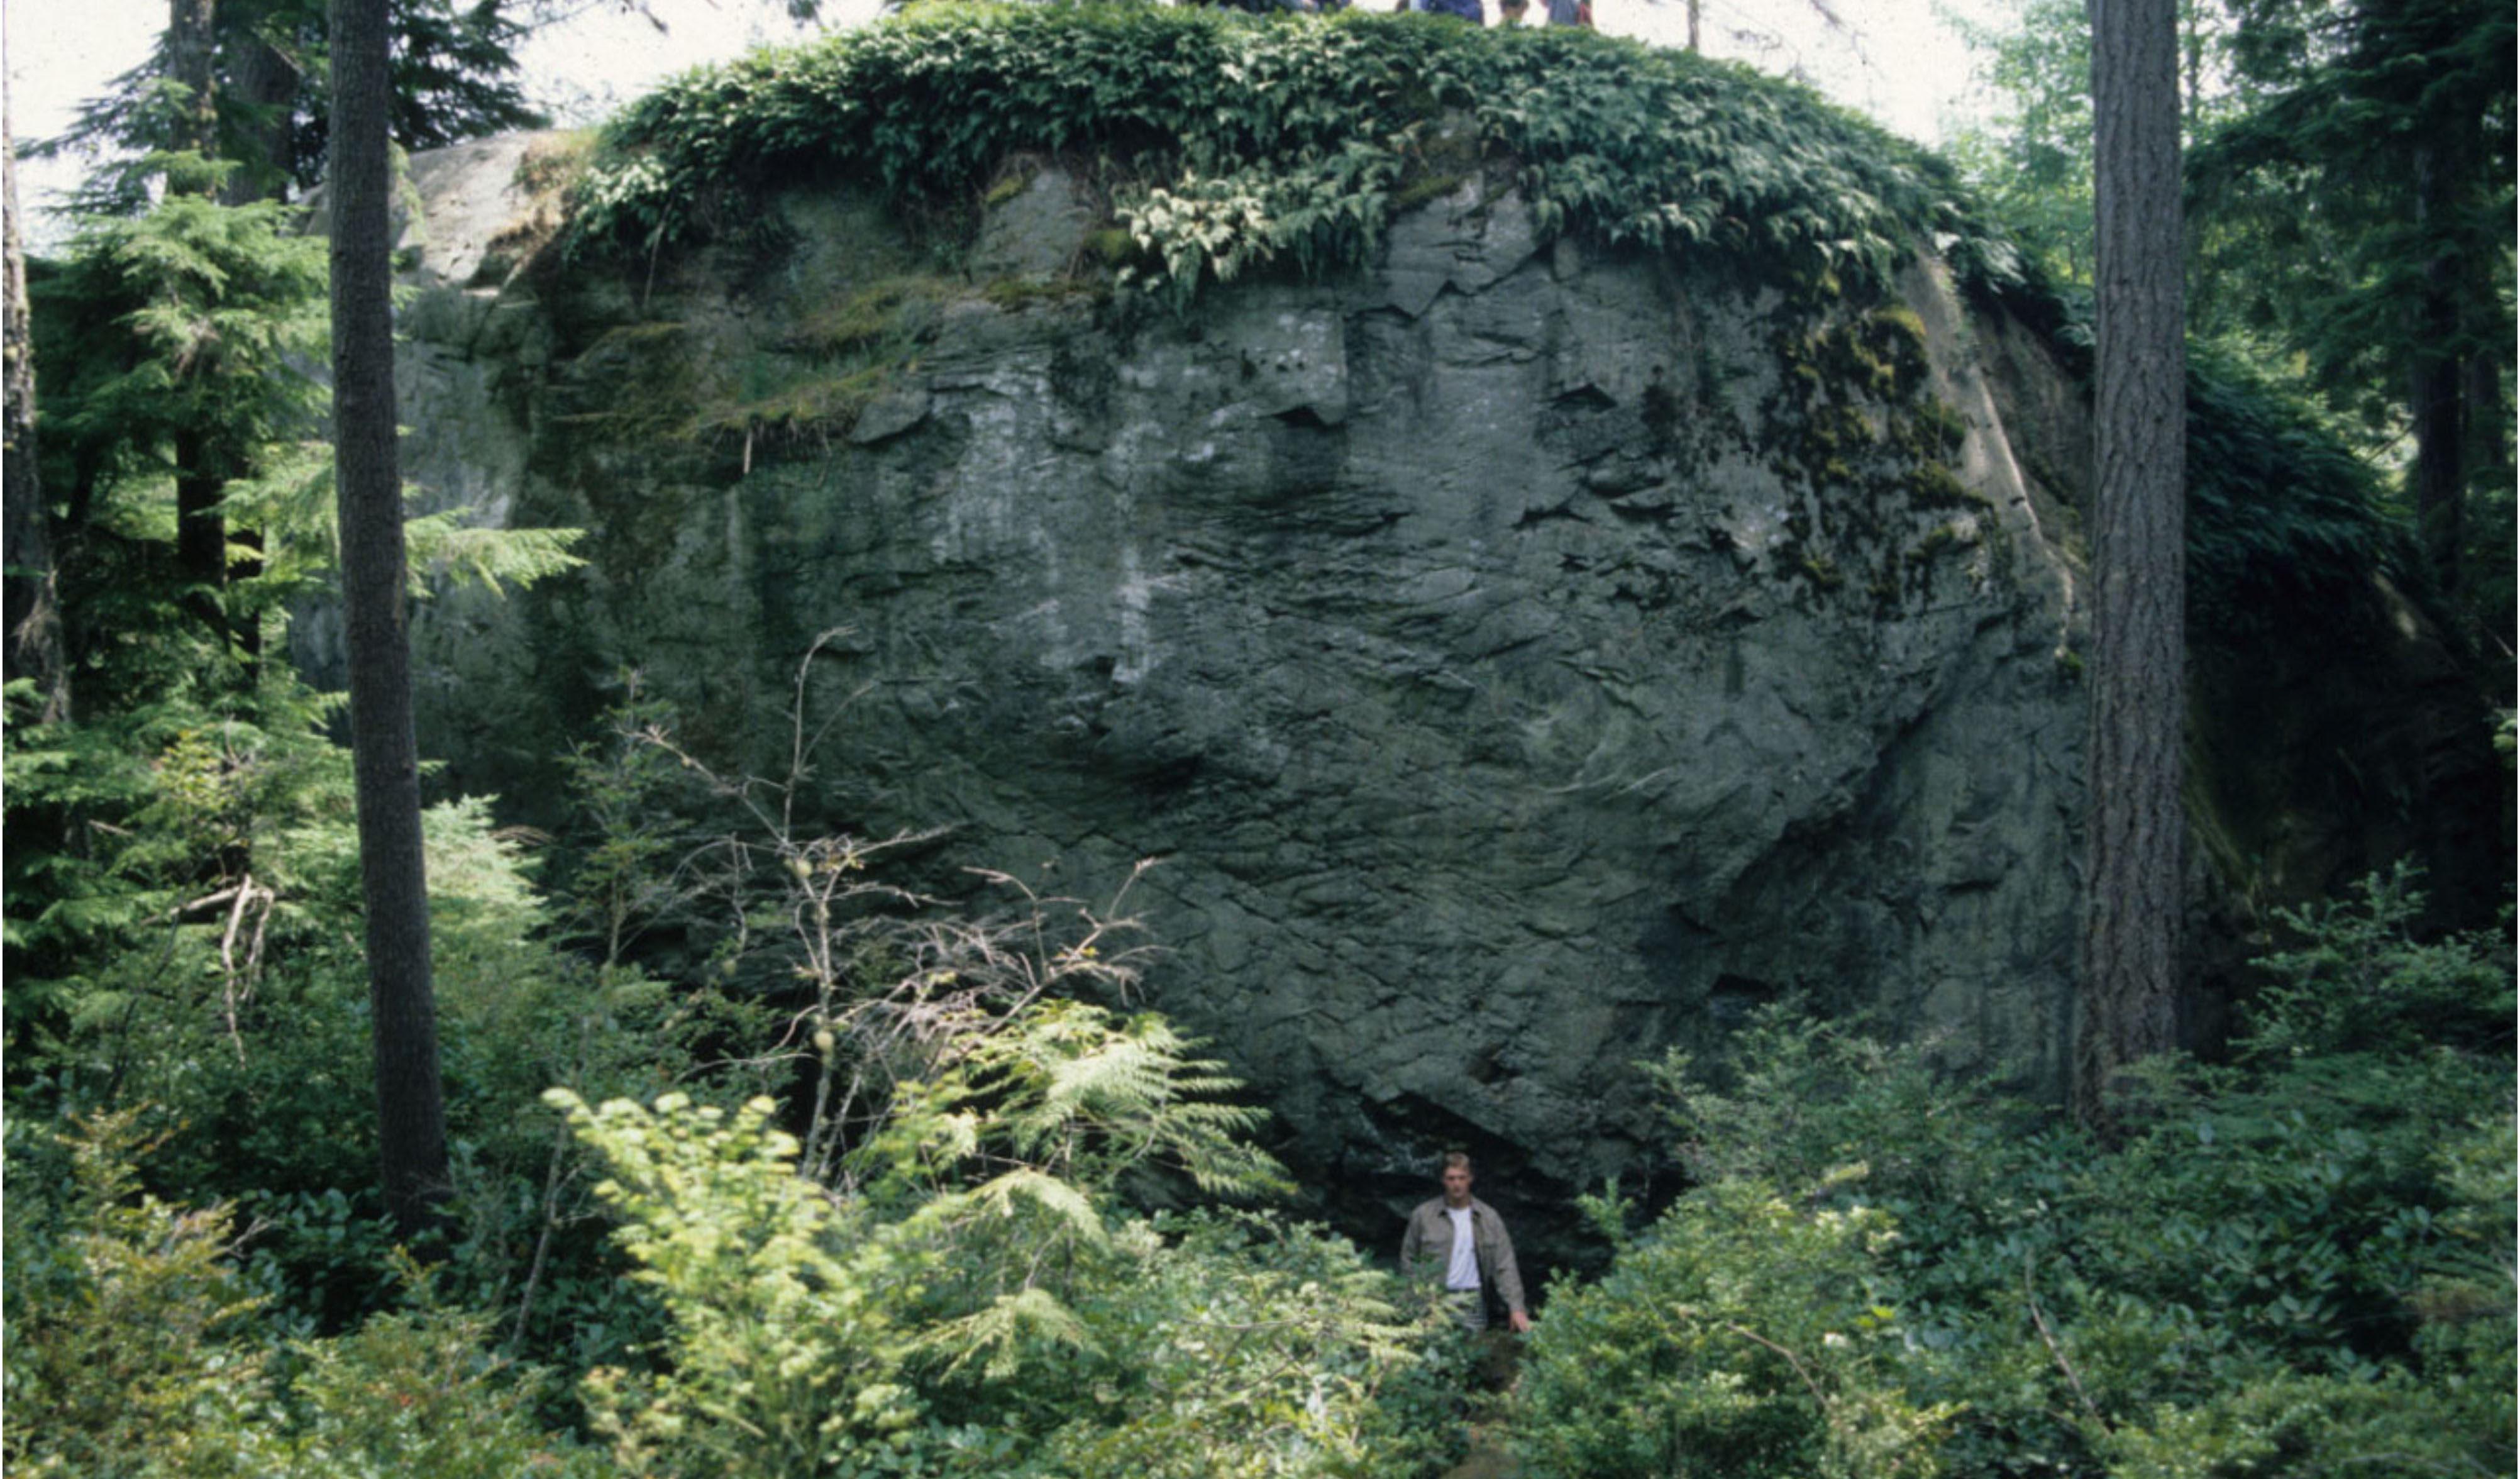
(1463,1273)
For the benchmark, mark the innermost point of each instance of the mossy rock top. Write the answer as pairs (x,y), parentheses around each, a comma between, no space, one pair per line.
(1226,143)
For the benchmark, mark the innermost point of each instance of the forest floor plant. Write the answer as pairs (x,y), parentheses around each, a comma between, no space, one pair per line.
(2297,1262)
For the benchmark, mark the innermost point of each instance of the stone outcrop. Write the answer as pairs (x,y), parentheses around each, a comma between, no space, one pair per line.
(1520,658)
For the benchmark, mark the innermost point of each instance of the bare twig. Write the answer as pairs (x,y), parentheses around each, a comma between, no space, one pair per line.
(2039,1318)
(1792,1359)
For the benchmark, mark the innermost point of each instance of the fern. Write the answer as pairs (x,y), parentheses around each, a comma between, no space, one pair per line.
(1242,144)
(494,559)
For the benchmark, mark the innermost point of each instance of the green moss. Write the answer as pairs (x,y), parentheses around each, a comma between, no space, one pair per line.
(1422,191)
(549,168)
(1821,571)
(892,309)
(673,389)
(1938,427)
(1938,539)
(1111,245)
(1012,294)
(1011,184)
(775,394)
(1291,143)
(1934,485)
(553,162)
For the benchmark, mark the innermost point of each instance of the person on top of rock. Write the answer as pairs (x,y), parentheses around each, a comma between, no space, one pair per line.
(1462,1242)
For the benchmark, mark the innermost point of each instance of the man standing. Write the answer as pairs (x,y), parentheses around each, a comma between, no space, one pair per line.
(1461,1239)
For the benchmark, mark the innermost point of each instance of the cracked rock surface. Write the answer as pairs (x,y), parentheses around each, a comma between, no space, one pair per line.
(1518,663)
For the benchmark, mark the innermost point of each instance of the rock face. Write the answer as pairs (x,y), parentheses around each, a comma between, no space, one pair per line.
(1520,659)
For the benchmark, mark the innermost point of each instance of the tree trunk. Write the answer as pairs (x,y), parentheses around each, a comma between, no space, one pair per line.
(266,83)
(201,530)
(31,636)
(2433,388)
(410,1110)
(2131,936)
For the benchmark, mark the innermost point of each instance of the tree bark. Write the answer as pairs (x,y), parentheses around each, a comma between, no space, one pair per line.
(265,83)
(411,1114)
(2433,383)
(2131,936)
(201,529)
(30,632)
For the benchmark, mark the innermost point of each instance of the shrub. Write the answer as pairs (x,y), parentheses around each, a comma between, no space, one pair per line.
(125,1322)
(1741,1335)
(2294,1264)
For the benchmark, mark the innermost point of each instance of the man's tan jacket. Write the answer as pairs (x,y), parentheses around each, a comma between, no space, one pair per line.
(1426,1249)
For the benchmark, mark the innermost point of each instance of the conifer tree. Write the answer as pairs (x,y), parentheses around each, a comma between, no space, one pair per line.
(30,644)
(2137,828)
(410,1106)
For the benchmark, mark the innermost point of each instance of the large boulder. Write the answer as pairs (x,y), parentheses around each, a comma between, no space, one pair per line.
(1518,658)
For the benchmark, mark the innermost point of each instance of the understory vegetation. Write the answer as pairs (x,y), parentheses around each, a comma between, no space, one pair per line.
(895,1190)
(2297,1262)
(871,1187)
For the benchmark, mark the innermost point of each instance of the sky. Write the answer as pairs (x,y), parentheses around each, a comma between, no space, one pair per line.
(1898,61)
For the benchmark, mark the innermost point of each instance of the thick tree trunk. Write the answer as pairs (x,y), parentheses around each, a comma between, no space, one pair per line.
(266,83)
(2131,936)
(30,637)
(410,1110)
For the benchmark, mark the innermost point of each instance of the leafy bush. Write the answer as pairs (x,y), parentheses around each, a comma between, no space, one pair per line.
(417,1392)
(1740,1336)
(125,1318)
(972,1299)
(137,1346)
(1231,1344)
(2297,1262)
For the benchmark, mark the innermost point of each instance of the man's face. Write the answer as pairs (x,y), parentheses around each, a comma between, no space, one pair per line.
(1457,1186)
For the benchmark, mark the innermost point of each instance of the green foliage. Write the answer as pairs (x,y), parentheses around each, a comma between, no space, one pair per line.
(2350,200)
(1739,1336)
(782,1349)
(137,1346)
(1231,1344)
(1232,144)
(1079,1094)
(451,77)
(995,1322)
(2285,526)
(225,309)
(122,1318)
(2299,1262)
(2370,177)
(2032,166)
(2362,984)
(417,1392)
